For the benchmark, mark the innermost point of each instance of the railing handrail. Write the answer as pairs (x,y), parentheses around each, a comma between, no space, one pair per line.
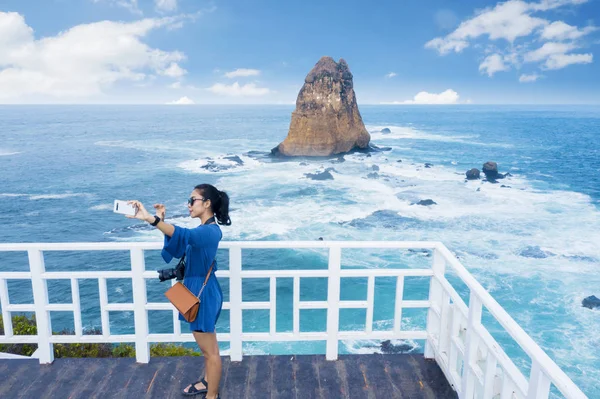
(124,246)
(544,369)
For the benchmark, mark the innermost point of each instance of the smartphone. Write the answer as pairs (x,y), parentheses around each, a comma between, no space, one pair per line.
(124,208)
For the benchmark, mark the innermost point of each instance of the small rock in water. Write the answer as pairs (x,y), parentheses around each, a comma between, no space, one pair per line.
(535,252)
(505,186)
(385,130)
(424,252)
(389,348)
(473,174)
(339,159)
(375,168)
(235,159)
(428,165)
(399,160)
(325,175)
(591,302)
(427,202)
(373,175)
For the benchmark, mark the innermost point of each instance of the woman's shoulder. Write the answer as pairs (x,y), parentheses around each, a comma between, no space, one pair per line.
(211,230)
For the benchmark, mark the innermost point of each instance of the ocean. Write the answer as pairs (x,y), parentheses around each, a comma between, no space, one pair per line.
(532,239)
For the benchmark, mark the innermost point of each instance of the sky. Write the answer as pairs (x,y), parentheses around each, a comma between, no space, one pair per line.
(260,51)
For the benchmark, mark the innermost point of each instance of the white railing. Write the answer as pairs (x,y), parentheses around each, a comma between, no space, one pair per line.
(471,359)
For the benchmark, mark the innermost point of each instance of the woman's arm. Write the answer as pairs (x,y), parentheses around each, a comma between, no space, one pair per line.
(142,214)
(166,228)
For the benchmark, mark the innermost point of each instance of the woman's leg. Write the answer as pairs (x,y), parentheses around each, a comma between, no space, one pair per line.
(212,361)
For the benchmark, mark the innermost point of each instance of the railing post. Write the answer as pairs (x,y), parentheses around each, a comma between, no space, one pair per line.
(235,300)
(539,383)
(6,315)
(138,284)
(333,302)
(45,350)
(471,342)
(435,297)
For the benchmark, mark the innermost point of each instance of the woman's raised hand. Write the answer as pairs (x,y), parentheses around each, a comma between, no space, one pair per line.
(141,213)
(160,211)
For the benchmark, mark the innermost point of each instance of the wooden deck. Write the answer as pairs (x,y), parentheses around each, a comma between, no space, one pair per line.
(350,377)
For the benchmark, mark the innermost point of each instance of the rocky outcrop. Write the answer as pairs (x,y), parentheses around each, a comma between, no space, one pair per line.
(426,202)
(473,174)
(388,348)
(535,252)
(325,175)
(490,169)
(591,302)
(326,120)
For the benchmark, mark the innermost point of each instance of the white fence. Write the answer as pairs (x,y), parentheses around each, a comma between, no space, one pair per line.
(471,359)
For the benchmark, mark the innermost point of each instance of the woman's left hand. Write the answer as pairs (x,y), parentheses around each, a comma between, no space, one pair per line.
(142,213)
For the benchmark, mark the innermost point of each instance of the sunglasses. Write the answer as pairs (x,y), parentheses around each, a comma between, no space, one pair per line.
(191,200)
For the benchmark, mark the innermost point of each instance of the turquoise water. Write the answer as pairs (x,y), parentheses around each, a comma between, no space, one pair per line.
(532,243)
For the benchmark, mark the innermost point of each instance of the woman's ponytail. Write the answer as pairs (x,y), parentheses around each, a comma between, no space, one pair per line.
(222,211)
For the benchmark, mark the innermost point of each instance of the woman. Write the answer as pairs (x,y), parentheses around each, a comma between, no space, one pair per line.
(200,247)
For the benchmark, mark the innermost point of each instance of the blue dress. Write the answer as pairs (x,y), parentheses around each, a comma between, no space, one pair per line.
(200,247)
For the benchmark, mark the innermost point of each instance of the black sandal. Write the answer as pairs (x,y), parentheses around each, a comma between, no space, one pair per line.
(193,391)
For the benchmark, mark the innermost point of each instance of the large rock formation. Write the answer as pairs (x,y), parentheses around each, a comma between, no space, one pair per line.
(326,120)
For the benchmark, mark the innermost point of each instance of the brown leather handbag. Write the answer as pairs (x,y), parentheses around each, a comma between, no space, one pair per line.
(184,300)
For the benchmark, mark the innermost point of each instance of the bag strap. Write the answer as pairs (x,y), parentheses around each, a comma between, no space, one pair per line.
(206,279)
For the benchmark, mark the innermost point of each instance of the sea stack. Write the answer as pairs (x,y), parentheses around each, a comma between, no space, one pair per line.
(326,120)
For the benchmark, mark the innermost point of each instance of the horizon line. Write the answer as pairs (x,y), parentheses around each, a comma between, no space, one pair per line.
(281,104)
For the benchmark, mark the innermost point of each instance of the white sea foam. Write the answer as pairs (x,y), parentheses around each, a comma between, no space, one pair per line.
(4,153)
(489,225)
(409,132)
(35,197)
(102,207)
(519,216)
(56,196)
(219,164)
(406,132)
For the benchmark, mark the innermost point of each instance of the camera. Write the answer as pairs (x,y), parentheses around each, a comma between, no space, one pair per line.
(174,272)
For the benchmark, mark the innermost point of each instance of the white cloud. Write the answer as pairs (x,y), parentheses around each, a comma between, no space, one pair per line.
(176,85)
(446,97)
(529,78)
(242,72)
(131,5)
(81,61)
(555,55)
(391,75)
(517,19)
(545,5)
(509,21)
(547,50)
(166,5)
(559,61)
(492,64)
(182,101)
(235,90)
(174,71)
(559,30)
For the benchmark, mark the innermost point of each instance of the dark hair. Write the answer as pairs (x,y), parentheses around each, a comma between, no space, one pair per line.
(219,202)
